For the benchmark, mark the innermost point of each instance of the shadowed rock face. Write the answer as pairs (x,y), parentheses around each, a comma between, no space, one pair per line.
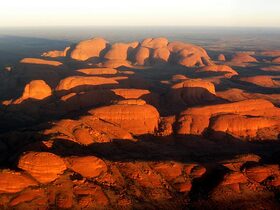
(154,124)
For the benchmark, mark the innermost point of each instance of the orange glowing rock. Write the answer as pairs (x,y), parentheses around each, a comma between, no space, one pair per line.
(98,71)
(88,166)
(189,55)
(88,49)
(56,53)
(138,119)
(241,126)
(142,56)
(260,173)
(36,89)
(161,55)
(276,60)
(80,81)
(120,51)
(155,43)
(130,93)
(45,167)
(234,178)
(196,120)
(243,58)
(40,61)
(26,196)
(221,57)
(218,68)
(192,92)
(264,81)
(12,182)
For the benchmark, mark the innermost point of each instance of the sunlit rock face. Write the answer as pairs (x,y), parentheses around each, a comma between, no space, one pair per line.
(88,49)
(36,89)
(243,58)
(246,119)
(224,69)
(133,115)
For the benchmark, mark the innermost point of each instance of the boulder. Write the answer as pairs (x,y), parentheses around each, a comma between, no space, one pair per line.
(161,55)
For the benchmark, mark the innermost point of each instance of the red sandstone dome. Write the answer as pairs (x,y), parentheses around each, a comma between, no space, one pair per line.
(243,58)
(218,68)
(43,166)
(88,49)
(155,43)
(142,56)
(36,89)
(138,119)
(120,51)
(264,81)
(197,120)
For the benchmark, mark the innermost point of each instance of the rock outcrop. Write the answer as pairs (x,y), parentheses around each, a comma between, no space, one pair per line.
(39,61)
(261,113)
(13,182)
(45,167)
(83,83)
(86,49)
(137,118)
(36,89)
(243,58)
(227,70)
(88,166)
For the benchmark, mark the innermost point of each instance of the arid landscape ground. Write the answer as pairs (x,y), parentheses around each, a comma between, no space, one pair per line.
(175,121)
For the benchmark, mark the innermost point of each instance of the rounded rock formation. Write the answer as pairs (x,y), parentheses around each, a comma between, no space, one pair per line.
(13,182)
(88,166)
(86,49)
(137,119)
(218,68)
(36,89)
(243,58)
(45,167)
(142,56)
(221,57)
(120,51)
(155,43)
